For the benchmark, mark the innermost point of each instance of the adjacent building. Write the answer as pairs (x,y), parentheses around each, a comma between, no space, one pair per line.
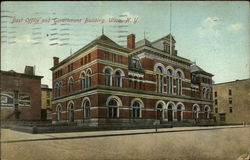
(46,94)
(232,101)
(20,95)
(105,83)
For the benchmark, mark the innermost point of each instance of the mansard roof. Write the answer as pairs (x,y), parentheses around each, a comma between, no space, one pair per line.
(143,42)
(165,37)
(196,69)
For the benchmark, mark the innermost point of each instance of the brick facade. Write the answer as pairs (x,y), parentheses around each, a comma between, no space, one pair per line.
(21,95)
(129,83)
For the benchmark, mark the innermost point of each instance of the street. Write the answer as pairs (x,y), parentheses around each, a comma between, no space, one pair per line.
(180,143)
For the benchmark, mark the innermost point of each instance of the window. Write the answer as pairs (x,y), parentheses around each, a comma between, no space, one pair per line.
(216,102)
(230,92)
(112,108)
(159,109)
(88,79)
(71,112)
(58,112)
(113,57)
(130,84)
(216,110)
(179,83)
(170,81)
(207,112)
(108,77)
(89,57)
(81,61)
(159,79)
(230,101)
(119,59)
(230,109)
(83,81)
(204,92)
(118,79)
(70,84)
(136,108)
(86,109)
(85,60)
(48,94)
(70,67)
(196,110)
(215,94)
(106,56)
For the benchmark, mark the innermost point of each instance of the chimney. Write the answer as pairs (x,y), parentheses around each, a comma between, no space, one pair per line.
(131,41)
(56,61)
(29,70)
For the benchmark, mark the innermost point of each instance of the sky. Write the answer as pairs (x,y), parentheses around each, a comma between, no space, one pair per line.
(214,35)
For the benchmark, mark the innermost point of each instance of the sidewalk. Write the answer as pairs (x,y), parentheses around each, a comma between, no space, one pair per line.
(25,137)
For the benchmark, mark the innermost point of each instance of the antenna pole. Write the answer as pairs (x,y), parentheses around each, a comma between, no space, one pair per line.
(102,30)
(170,23)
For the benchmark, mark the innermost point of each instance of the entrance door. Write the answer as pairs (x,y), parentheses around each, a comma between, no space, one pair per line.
(179,115)
(170,115)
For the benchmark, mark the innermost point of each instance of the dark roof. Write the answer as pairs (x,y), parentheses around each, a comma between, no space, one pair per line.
(103,39)
(196,69)
(143,42)
(15,74)
(165,37)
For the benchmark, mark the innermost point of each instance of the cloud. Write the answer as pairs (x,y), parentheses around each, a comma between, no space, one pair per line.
(234,27)
(128,14)
(210,27)
(125,14)
(25,39)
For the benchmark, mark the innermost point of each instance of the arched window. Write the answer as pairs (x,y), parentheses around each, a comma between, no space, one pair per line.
(207,112)
(108,76)
(204,92)
(118,79)
(170,112)
(70,84)
(112,108)
(208,93)
(159,111)
(180,109)
(179,83)
(196,110)
(88,79)
(56,93)
(71,112)
(136,109)
(83,81)
(59,88)
(170,81)
(58,112)
(86,108)
(159,79)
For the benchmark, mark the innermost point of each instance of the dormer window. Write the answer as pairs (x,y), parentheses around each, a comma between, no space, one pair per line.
(166,47)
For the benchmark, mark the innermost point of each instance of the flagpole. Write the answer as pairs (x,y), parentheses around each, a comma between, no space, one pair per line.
(170,23)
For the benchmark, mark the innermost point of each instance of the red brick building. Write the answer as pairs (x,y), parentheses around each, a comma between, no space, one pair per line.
(105,83)
(20,95)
